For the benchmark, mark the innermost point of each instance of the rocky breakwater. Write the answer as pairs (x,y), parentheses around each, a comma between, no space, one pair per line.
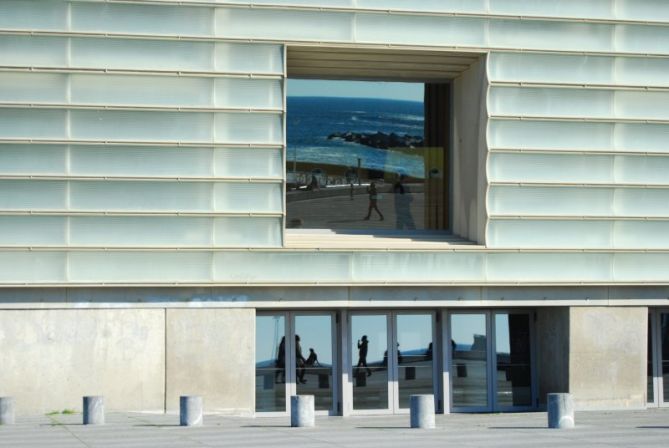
(379,139)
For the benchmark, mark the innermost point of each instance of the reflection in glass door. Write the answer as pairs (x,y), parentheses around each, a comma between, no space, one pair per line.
(658,358)
(414,355)
(295,354)
(369,361)
(491,361)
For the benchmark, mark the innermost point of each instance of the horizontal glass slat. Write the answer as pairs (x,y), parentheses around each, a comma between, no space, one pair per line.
(550,234)
(33,14)
(413,267)
(641,234)
(251,162)
(640,267)
(33,230)
(24,87)
(33,123)
(546,267)
(247,232)
(35,195)
(550,168)
(32,267)
(33,159)
(139,267)
(239,197)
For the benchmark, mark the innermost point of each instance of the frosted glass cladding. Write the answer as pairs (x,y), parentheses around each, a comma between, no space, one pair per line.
(420,30)
(331,3)
(426,5)
(642,39)
(32,267)
(141,196)
(642,105)
(32,231)
(550,168)
(642,71)
(643,10)
(550,35)
(139,267)
(282,24)
(142,19)
(32,159)
(196,127)
(642,137)
(247,232)
(517,101)
(29,51)
(248,128)
(275,267)
(641,267)
(258,93)
(533,67)
(248,162)
(553,201)
(32,123)
(416,267)
(32,88)
(549,234)
(528,134)
(547,267)
(600,9)
(33,14)
(641,234)
(141,90)
(642,202)
(642,170)
(140,161)
(144,231)
(32,195)
(249,58)
(238,197)
(142,54)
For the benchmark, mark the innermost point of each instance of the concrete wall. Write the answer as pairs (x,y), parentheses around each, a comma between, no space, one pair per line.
(49,359)
(212,353)
(607,357)
(552,351)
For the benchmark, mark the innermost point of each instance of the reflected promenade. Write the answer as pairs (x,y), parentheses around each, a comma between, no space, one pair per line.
(647,428)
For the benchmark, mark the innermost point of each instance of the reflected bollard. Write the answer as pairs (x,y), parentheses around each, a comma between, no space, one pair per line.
(94,410)
(190,410)
(7,412)
(422,411)
(560,411)
(302,412)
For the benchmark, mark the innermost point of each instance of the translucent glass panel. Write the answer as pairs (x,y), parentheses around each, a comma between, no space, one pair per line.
(369,358)
(33,14)
(639,267)
(33,123)
(140,54)
(588,103)
(650,10)
(528,134)
(578,168)
(32,231)
(414,356)
(552,68)
(270,352)
(139,267)
(641,234)
(32,159)
(549,267)
(140,196)
(413,267)
(314,359)
(550,234)
(282,24)
(549,35)
(142,19)
(32,267)
(139,90)
(602,9)
(469,360)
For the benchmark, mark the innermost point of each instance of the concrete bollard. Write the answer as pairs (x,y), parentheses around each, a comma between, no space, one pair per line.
(302,413)
(94,410)
(422,411)
(560,411)
(7,412)
(190,410)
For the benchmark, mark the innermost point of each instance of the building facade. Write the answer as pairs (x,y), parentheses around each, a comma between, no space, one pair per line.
(144,248)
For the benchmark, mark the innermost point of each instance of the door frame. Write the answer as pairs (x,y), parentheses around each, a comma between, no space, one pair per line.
(393,368)
(655,319)
(290,385)
(491,361)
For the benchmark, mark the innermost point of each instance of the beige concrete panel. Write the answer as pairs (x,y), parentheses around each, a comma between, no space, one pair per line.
(211,352)
(50,359)
(552,339)
(607,361)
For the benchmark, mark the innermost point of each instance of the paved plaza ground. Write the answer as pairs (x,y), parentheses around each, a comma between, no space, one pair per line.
(599,429)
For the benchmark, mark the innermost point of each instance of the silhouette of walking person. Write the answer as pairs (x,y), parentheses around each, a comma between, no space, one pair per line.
(312,360)
(300,362)
(362,354)
(373,198)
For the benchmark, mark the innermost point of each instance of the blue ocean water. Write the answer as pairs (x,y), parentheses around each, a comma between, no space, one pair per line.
(312,119)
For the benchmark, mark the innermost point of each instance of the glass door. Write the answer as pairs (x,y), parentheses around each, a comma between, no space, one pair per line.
(658,358)
(295,354)
(490,361)
(391,358)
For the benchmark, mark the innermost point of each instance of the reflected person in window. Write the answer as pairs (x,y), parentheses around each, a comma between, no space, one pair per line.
(363,347)
(373,198)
